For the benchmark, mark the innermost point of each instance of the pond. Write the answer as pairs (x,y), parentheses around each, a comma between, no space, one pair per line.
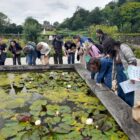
(52,106)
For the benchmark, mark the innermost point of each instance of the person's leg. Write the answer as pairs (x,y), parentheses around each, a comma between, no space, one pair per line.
(93,75)
(14,60)
(69,57)
(34,56)
(73,58)
(120,77)
(19,59)
(42,60)
(55,58)
(60,58)
(46,59)
(29,59)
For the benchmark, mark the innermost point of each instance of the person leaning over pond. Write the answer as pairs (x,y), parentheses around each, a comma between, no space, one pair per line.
(15,49)
(103,67)
(70,48)
(44,50)
(3,51)
(58,49)
(80,41)
(123,56)
(31,53)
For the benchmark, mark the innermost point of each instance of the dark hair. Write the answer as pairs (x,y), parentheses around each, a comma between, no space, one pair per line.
(13,41)
(76,36)
(117,43)
(99,31)
(93,61)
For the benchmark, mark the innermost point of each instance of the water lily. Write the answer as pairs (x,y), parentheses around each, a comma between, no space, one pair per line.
(89,121)
(57,113)
(30,82)
(37,122)
(68,86)
(63,74)
(97,126)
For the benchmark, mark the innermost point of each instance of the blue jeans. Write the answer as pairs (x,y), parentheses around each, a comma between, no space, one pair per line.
(31,58)
(129,97)
(71,58)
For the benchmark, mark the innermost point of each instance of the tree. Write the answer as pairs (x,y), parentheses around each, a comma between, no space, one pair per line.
(13,28)
(130,13)
(3,22)
(55,24)
(31,29)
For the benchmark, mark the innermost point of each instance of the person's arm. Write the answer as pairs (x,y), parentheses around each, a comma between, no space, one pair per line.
(128,55)
(102,71)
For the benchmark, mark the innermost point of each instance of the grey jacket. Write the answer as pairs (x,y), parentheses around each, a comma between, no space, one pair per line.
(127,56)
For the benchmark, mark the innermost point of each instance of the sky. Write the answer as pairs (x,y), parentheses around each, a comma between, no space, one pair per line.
(49,10)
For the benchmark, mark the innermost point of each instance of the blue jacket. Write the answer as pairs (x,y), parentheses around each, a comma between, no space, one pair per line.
(105,73)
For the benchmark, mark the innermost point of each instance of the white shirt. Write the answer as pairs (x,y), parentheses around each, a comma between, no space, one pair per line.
(45,48)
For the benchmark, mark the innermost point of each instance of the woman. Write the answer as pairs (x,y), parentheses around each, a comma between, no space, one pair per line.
(44,50)
(15,49)
(123,57)
(31,53)
(103,67)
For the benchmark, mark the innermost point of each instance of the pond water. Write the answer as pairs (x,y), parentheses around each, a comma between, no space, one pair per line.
(52,106)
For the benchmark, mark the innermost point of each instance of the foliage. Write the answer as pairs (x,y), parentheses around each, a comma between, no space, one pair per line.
(31,29)
(62,111)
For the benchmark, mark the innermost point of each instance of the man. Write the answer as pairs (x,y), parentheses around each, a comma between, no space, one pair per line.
(58,49)
(70,49)
(2,52)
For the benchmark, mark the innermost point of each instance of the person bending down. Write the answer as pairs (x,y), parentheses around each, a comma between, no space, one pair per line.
(44,50)
(103,67)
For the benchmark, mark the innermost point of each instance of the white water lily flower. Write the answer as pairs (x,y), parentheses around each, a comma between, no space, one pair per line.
(89,121)
(30,82)
(57,113)
(69,86)
(97,126)
(63,74)
(37,122)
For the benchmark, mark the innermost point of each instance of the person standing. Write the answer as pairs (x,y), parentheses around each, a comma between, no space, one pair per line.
(58,49)
(44,50)
(70,48)
(2,52)
(101,36)
(15,49)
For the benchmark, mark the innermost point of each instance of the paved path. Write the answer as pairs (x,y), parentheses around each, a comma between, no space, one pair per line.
(23,61)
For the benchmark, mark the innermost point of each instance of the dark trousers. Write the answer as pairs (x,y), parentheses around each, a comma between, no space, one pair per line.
(17,58)
(71,58)
(121,77)
(58,58)
(31,58)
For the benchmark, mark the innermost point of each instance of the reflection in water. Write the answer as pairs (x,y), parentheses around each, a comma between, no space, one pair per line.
(12,90)
(24,90)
